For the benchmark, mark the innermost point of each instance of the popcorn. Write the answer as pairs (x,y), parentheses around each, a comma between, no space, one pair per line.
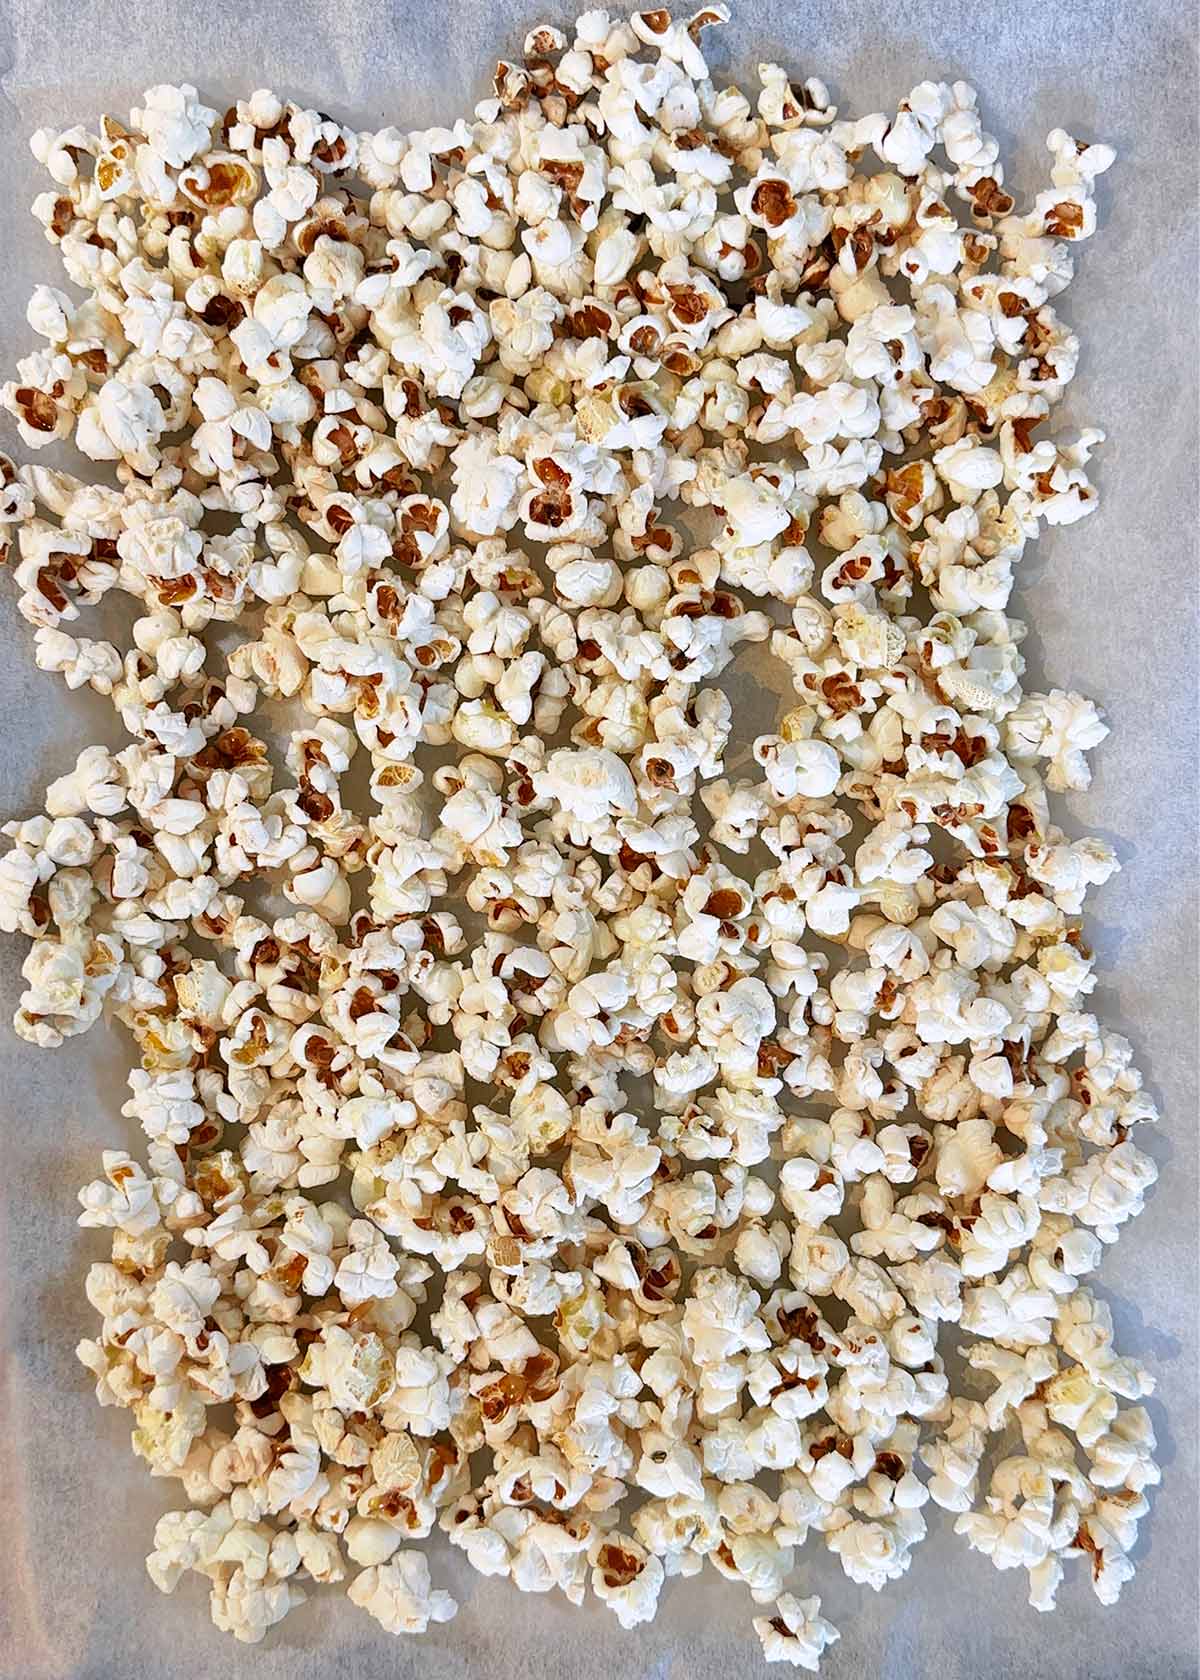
(399,1596)
(796,1633)
(175,123)
(330,387)
(625,1578)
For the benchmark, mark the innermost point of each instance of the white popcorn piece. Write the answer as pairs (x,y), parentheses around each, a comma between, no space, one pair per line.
(174,122)
(797,1633)
(399,1594)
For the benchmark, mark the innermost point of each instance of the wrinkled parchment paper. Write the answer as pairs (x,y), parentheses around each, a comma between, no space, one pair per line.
(1112,607)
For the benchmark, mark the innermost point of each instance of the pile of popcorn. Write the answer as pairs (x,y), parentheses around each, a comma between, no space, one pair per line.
(569,1124)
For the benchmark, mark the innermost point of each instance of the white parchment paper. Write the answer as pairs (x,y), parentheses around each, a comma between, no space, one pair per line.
(1112,605)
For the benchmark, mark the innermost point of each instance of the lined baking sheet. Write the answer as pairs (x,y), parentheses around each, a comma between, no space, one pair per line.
(1112,609)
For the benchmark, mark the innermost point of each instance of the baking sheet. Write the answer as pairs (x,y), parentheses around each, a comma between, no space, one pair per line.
(1112,605)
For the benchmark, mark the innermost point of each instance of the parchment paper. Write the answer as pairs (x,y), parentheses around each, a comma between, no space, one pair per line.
(1112,607)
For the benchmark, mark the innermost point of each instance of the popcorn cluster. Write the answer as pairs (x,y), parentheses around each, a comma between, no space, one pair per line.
(582,1115)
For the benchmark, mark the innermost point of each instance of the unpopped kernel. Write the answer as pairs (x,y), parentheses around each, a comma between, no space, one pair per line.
(567,1116)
